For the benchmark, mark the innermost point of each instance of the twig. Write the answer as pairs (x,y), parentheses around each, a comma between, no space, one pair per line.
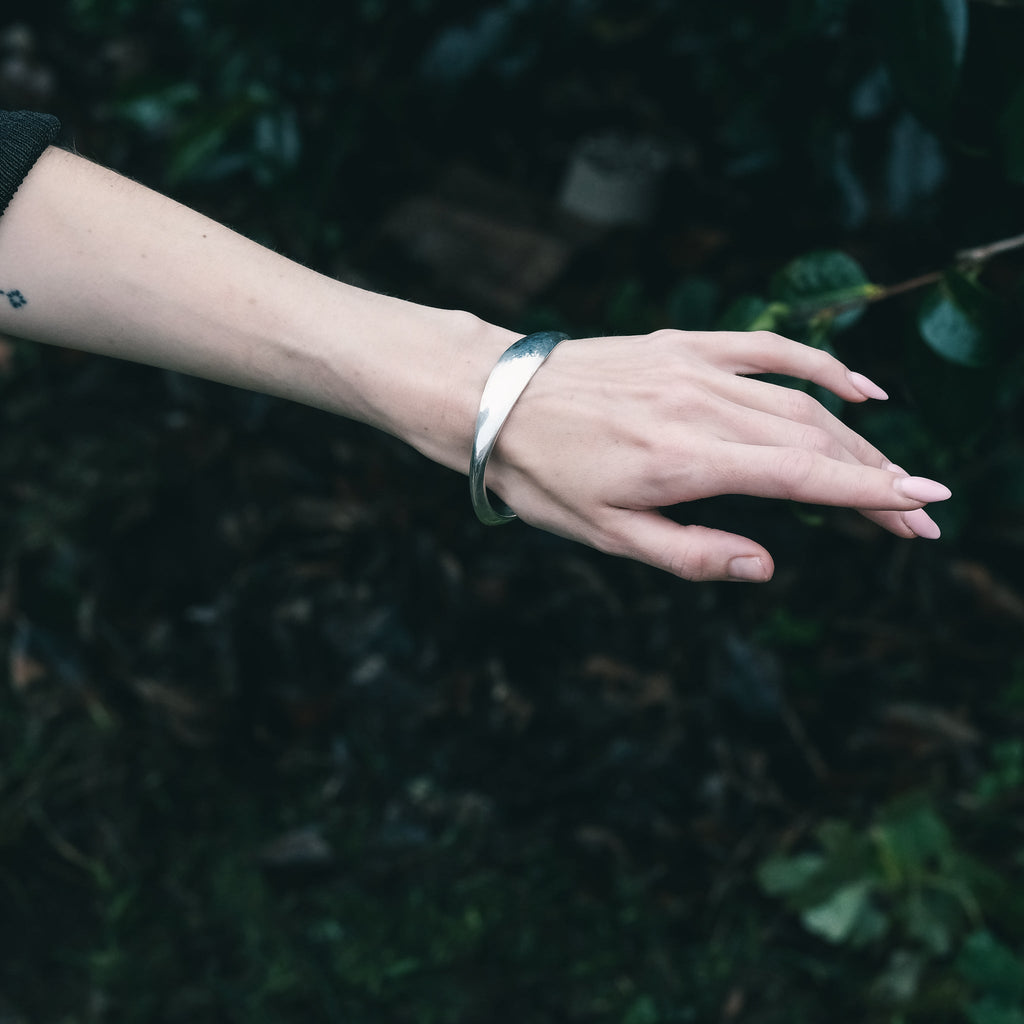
(978,255)
(984,252)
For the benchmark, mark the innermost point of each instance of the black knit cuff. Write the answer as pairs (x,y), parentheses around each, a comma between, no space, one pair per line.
(23,137)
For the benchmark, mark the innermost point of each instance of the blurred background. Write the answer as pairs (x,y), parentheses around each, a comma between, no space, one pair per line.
(286,735)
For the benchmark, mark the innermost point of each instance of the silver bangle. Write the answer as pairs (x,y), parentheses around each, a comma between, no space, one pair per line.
(507,381)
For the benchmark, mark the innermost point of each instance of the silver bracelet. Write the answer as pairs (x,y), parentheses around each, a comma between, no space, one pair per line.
(507,381)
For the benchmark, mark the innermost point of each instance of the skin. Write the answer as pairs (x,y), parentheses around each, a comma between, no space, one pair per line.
(609,431)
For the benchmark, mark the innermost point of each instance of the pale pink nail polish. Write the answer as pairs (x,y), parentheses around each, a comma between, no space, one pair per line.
(920,488)
(866,387)
(893,468)
(922,524)
(749,569)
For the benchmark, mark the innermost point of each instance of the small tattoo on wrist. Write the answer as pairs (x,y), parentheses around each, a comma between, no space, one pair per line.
(15,298)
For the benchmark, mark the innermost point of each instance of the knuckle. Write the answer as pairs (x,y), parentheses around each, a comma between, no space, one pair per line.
(796,468)
(824,366)
(610,539)
(657,464)
(799,405)
(816,439)
(689,563)
(770,340)
(666,334)
(827,361)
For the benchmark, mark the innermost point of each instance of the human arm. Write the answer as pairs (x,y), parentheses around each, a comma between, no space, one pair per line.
(607,433)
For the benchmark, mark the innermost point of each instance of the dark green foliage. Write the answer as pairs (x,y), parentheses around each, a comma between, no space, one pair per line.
(810,285)
(960,321)
(900,880)
(924,42)
(1011,126)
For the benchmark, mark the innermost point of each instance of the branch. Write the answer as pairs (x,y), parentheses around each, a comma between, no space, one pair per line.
(985,252)
(973,257)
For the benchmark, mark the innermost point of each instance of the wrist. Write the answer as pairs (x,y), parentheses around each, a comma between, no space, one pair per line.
(414,371)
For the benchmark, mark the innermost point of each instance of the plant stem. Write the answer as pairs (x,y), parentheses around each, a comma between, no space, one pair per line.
(984,252)
(978,255)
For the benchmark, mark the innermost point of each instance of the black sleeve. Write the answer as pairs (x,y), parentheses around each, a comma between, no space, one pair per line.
(23,137)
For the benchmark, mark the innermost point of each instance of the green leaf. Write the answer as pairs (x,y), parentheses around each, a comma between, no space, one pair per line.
(838,917)
(643,1010)
(782,875)
(958,321)
(988,1011)
(820,279)
(743,313)
(991,968)
(931,920)
(923,42)
(901,978)
(911,837)
(915,165)
(871,926)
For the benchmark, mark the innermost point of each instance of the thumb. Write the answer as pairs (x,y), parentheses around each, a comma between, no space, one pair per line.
(695,553)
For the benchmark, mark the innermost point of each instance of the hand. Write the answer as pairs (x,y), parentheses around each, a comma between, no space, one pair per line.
(608,432)
(611,430)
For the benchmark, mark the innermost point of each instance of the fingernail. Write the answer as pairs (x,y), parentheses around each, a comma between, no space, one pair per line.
(922,524)
(920,488)
(866,387)
(893,468)
(749,569)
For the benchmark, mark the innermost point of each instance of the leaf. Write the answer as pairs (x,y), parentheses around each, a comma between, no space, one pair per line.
(820,279)
(931,920)
(988,1011)
(991,968)
(915,165)
(923,42)
(957,321)
(743,313)
(901,978)
(838,917)
(780,876)
(871,926)
(643,1010)
(911,837)
(815,274)
(156,111)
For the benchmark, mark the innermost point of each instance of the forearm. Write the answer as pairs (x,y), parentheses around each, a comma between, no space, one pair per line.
(108,266)
(614,429)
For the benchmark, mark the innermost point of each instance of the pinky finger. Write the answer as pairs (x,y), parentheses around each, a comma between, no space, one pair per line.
(915,523)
